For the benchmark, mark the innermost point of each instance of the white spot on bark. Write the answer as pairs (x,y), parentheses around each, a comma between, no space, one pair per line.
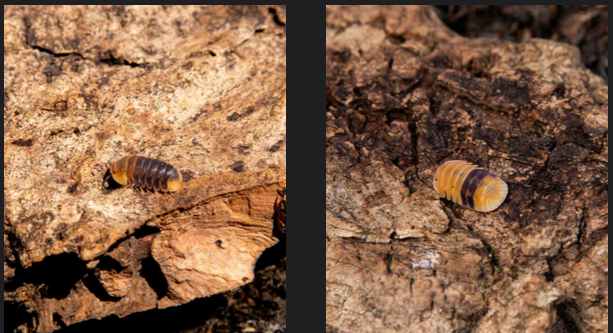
(430,262)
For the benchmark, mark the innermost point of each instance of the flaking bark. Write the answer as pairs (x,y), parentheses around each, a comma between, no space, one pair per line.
(200,87)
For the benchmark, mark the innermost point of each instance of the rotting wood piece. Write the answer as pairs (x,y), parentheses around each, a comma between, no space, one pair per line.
(201,86)
(404,94)
(197,252)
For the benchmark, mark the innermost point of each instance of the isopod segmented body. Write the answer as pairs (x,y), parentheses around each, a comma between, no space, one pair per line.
(469,185)
(146,173)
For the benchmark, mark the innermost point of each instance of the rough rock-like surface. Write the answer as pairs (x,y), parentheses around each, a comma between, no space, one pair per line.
(203,88)
(404,94)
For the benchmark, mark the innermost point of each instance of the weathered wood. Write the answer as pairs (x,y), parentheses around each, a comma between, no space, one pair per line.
(403,95)
(200,87)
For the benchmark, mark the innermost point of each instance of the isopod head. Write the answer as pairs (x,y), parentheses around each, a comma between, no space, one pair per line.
(175,185)
(119,171)
(470,186)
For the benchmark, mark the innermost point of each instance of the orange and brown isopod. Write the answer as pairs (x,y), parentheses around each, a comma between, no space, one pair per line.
(146,173)
(469,185)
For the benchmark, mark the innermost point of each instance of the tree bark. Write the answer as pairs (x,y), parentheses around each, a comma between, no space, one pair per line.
(202,88)
(403,95)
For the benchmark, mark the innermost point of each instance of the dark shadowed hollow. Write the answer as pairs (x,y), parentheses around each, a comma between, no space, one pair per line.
(585,26)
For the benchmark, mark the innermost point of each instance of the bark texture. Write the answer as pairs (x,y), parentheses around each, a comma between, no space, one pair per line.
(403,95)
(202,88)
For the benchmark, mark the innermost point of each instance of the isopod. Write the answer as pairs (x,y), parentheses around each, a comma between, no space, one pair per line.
(146,173)
(470,186)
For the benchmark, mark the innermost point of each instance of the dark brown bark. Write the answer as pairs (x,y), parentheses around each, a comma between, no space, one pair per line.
(403,95)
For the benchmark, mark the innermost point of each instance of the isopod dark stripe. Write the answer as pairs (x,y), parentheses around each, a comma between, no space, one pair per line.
(146,173)
(473,187)
(470,185)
